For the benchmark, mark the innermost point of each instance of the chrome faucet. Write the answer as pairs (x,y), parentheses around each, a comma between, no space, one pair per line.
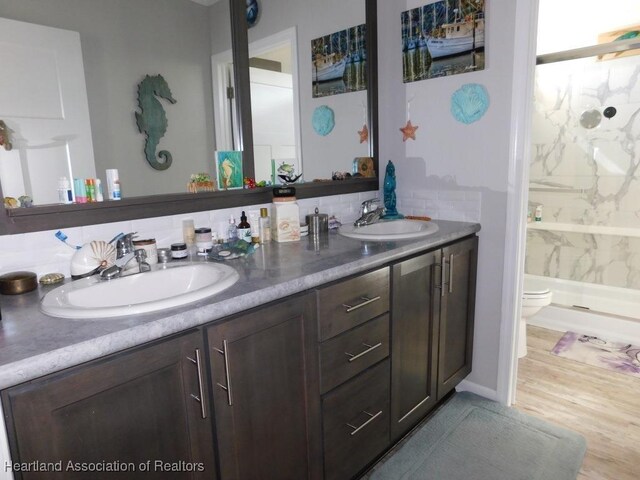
(125,252)
(370,212)
(124,245)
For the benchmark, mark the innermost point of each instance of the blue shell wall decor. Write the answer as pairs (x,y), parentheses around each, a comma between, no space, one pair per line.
(323,120)
(469,103)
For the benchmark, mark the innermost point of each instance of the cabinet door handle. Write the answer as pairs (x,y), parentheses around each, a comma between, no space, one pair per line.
(443,275)
(370,348)
(367,301)
(451,273)
(371,418)
(225,353)
(200,397)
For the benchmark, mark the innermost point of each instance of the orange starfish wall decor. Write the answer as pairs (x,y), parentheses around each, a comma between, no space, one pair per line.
(364,133)
(409,131)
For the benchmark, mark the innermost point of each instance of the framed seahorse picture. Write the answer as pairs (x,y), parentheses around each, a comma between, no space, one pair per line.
(229,169)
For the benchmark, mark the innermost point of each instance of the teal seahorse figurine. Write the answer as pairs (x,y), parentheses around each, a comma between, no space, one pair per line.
(152,120)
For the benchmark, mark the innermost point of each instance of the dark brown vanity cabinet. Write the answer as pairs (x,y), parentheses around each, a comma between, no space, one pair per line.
(316,385)
(433,302)
(353,316)
(415,340)
(146,405)
(264,371)
(457,306)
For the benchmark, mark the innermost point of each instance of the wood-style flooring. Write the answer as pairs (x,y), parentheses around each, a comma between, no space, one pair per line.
(602,405)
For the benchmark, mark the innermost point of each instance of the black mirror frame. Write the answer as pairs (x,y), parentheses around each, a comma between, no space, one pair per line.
(49,217)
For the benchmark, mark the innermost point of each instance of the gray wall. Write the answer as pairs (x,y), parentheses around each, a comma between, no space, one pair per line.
(123,40)
(463,161)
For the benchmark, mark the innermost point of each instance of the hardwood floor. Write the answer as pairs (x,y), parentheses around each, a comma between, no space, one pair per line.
(602,405)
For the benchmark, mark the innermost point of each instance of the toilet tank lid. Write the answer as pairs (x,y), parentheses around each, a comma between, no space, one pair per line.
(534,286)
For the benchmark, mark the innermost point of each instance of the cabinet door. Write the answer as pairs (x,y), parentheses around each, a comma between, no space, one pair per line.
(414,341)
(137,407)
(456,314)
(264,373)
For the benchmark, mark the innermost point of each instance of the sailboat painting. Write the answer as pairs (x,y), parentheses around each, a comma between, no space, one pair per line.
(442,38)
(338,62)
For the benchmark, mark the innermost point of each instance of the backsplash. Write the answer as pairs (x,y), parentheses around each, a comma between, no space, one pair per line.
(41,252)
(456,205)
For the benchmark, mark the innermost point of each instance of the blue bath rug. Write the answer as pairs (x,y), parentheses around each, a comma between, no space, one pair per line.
(472,438)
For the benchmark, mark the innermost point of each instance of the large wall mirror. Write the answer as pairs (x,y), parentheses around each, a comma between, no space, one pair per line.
(70,107)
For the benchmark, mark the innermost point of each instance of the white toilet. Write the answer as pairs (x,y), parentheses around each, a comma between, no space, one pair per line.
(534,297)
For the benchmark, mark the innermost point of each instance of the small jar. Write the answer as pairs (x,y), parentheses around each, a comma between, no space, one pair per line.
(179,251)
(149,246)
(204,241)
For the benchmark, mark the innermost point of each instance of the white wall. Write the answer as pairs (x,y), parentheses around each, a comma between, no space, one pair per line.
(456,171)
(568,24)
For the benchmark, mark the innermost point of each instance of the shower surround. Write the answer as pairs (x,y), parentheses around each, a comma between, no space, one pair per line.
(586,179)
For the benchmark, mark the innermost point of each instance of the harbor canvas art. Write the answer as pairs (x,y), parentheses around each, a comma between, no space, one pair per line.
(229,167)
(442,38)
(339,61)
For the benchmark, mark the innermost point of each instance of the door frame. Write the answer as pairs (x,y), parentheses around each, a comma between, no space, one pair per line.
(526,26)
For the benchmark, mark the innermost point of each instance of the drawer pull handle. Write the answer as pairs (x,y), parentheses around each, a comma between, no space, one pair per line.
(367,301)
(227,388)
(200,397)
(369,420)
(370,348)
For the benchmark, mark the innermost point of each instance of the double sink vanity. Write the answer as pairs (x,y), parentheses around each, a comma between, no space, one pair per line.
(319,358)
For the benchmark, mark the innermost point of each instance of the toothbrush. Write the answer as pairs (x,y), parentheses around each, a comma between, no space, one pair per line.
(63,238)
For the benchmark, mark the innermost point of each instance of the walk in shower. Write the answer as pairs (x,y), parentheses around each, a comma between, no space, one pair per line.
(584,240)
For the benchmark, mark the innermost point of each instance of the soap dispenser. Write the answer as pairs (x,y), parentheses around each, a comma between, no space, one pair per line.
(232,230)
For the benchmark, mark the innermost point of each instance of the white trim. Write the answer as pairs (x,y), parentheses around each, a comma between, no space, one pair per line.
(221,68)
(467,386)
(610,327)
(515,234)
(581,228)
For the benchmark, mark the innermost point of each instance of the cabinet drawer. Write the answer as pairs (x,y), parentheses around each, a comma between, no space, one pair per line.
(354,351)
(356,423)
(350,303)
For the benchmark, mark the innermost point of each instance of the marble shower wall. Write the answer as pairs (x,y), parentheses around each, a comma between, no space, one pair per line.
(587,176)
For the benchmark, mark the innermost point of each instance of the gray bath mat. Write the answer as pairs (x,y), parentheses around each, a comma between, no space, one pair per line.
(472,438)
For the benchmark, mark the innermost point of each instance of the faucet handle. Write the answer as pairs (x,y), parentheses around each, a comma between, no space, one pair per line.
(370,205)
(124,245)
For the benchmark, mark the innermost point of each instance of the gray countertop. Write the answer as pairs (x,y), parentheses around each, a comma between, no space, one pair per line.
(33,344)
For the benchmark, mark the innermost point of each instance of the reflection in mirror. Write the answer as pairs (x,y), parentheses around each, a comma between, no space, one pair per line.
(274,104)
(319,156)
(70,97)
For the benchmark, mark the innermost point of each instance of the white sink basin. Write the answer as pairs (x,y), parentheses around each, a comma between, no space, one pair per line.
(139,293)
(390,230)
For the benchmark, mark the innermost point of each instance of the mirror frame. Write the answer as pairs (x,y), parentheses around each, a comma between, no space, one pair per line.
(49,217)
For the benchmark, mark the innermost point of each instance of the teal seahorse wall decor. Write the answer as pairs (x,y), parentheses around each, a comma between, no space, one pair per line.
(152,119)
